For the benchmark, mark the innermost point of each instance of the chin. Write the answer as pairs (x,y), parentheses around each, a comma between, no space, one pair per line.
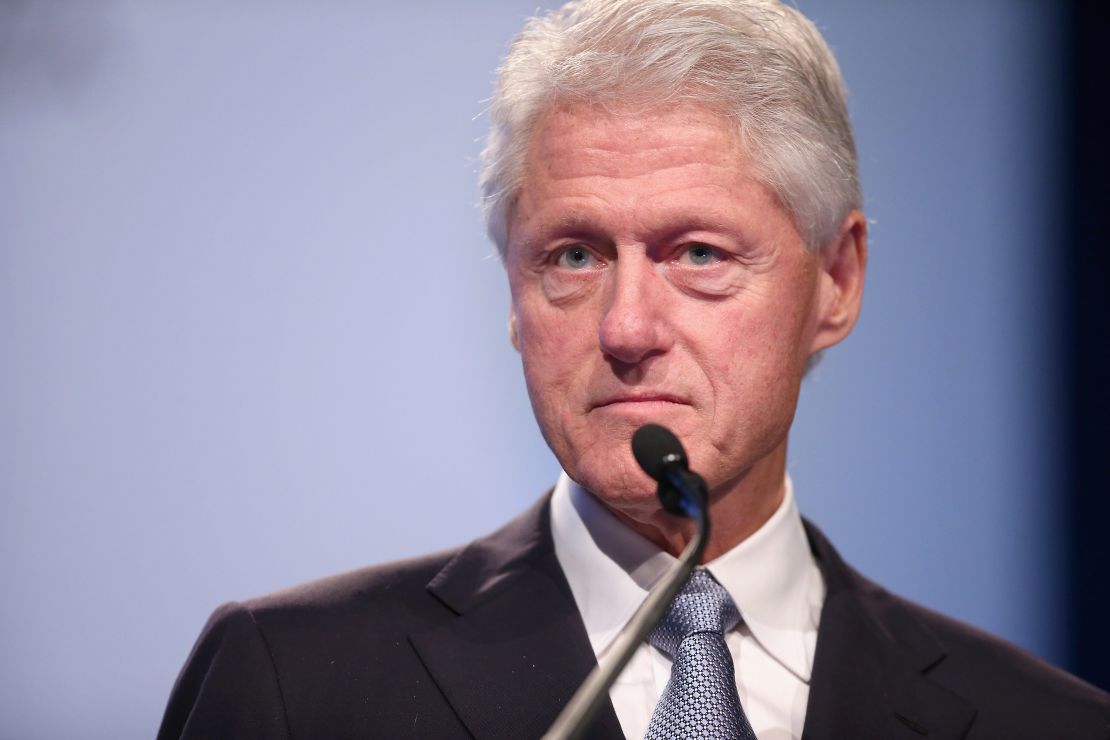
(618,483)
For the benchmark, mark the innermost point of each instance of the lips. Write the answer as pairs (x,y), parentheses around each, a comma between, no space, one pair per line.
(639,398)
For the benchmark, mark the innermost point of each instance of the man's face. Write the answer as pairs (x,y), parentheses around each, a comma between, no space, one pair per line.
(654,279)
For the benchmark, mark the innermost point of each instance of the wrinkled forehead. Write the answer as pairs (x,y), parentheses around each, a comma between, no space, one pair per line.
(574,138)
(575,145)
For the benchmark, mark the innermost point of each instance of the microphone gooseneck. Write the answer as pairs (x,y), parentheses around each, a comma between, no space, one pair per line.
(682,492)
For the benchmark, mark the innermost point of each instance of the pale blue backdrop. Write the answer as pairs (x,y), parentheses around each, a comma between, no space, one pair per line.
(251,332)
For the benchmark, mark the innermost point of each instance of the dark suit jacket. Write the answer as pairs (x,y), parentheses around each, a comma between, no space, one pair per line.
(486,641)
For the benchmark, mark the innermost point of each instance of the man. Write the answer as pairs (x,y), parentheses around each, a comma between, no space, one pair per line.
(673,189)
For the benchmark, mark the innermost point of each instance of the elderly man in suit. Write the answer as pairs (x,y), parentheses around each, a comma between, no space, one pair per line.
(672,185)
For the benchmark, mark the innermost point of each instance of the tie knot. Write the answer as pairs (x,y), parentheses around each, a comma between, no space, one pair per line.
(702,605)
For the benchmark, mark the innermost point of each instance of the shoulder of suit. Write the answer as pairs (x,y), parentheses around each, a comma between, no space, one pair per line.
(998,676)
(974,655)
(386,590)
(1005,683)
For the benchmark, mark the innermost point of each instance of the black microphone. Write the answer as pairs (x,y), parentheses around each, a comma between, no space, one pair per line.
(660,454)
(682,492)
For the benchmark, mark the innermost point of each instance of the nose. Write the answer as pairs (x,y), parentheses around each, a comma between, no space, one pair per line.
(635,325)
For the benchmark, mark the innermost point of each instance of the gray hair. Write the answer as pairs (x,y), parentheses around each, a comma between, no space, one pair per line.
(758,62)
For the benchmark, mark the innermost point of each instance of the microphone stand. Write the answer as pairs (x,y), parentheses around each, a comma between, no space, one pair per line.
(593,692)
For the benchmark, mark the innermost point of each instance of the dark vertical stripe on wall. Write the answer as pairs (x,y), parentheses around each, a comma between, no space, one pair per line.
(1088,315)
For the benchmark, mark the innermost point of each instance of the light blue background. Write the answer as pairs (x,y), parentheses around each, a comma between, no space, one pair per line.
(251,332)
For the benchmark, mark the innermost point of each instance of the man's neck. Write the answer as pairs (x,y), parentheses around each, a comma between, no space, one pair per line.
(737,509)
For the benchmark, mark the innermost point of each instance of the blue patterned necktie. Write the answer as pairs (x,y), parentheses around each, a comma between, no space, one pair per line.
(700,700)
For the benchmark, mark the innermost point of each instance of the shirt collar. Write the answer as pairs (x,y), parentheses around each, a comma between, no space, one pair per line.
(771,575)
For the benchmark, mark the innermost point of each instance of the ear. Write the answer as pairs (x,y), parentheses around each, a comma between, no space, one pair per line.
(513,336)
(842,263)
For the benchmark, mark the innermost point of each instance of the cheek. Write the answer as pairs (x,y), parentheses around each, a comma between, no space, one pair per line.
(753,363)
(553,333)
(542,332)
(552,349)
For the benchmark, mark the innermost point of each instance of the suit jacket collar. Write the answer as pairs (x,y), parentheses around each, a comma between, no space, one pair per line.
(870,669)
(517,649)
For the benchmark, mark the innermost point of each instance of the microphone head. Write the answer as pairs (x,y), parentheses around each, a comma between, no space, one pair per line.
(654,446)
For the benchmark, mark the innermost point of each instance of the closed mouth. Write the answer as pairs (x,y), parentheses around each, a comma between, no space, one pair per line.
(641,398)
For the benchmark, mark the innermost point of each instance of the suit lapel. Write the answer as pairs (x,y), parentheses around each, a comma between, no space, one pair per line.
(869,673)
(517,649)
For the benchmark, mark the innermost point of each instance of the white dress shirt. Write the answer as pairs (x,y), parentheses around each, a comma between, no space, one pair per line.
(771,576)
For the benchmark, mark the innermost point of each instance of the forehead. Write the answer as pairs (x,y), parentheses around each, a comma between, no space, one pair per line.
(590,139)
(633,170)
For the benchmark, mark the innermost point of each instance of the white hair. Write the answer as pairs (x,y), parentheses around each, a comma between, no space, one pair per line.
(758,62)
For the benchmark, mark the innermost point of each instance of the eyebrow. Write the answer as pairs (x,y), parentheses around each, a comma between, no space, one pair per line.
(584,223)
(577,223)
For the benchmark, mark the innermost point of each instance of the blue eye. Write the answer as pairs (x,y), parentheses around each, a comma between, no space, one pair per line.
(576,258)
(701,254)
